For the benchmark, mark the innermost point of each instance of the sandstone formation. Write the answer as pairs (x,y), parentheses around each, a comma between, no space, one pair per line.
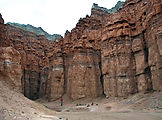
(83,60)
(32,51)
(113,54)
(10,68)
(82,74)
(55,87)
(131,48)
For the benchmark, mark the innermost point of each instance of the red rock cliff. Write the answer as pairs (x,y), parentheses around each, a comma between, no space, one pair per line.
(131,56)
(10,67)
(113,54)
(33,51)
(129,42)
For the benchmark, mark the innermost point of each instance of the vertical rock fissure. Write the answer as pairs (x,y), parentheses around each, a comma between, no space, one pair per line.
(147,70)
(23,78)
(30,91)
(64,69)
(49,85)
(145,48)
(38,87)
(101,77)
(100,58)
(46,82)
(148,77)
(134,74)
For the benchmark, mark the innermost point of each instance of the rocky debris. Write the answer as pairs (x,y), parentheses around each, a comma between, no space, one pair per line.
(14,106)
(36,30)
(148,102)
(10,68)
(139,102)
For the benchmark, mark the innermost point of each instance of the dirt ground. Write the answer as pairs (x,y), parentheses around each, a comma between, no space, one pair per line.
(137,107)
(14,106)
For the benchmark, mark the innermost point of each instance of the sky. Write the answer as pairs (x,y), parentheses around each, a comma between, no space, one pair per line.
(54,16)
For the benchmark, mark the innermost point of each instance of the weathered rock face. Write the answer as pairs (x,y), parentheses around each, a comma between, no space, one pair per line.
(82,60)
(118,67)
(38,60)
(82,74)
(153,40)
(56,74)
(128,43)
(130,48)
(113,54)
(33,60)
(10,68)
(32,49)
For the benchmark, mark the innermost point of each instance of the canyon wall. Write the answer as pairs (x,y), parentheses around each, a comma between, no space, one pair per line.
(10,67)
(39,58)
(55,87)
(131,57)
(128,43)
(112,54)
(82,58)
(32,49)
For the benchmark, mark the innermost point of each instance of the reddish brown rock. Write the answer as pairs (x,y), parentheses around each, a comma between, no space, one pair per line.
(129,29)
(116,54)
(82,74)
(56,73)
(10,68)
(82,60)
(118,67)
(33,50)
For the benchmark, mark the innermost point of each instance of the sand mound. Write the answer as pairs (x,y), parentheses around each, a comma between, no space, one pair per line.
(14,106)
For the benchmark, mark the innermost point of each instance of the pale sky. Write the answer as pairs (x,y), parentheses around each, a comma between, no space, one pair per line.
(54,16)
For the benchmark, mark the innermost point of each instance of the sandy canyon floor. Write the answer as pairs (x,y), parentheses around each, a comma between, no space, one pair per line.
(14,106)
(137,107)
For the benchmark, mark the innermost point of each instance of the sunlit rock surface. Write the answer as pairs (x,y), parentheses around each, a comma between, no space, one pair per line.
(115,54)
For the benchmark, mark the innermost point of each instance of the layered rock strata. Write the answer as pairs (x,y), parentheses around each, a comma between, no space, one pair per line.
(56,83)
(82,59)
(129,45)
(32,49)
(10,67)
(131,57)
(82,74)
(113,54)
